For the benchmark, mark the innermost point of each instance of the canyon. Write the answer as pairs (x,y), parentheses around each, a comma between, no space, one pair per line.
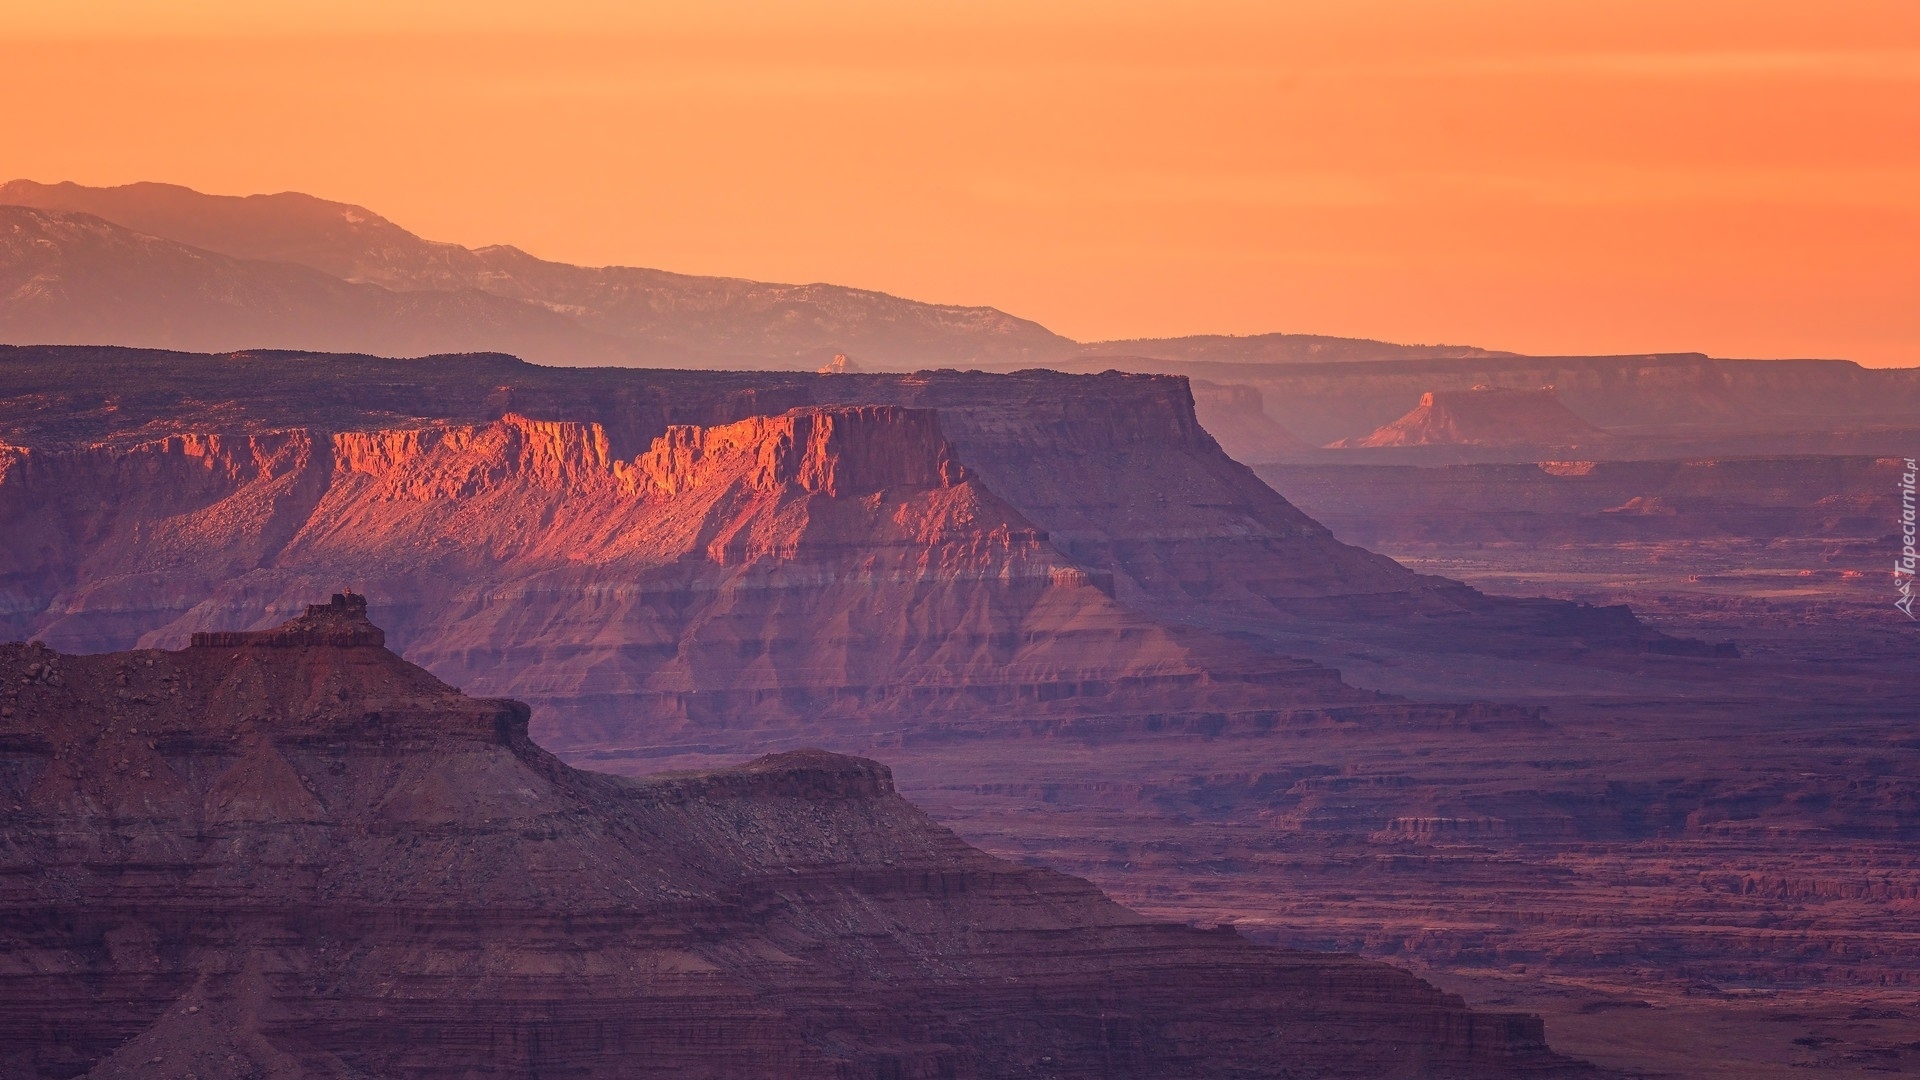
(290,853)
(1789,553)
(1114,469)
(162,266)
(1692,868)
(817,571)
(1612,728)
(1084,637)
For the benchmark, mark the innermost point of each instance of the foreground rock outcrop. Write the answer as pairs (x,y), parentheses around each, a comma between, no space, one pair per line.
(292,854)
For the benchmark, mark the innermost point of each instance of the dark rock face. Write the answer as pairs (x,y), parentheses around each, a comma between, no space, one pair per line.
(292,854)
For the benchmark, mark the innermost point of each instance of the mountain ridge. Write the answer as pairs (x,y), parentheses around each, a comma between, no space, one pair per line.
(75,278)
(627,303)
(646,314)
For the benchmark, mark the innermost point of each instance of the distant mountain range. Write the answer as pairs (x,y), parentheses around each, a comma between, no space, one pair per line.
(160,265)
(1281,349)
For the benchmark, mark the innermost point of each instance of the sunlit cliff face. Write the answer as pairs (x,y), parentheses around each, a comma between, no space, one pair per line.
(1737,178)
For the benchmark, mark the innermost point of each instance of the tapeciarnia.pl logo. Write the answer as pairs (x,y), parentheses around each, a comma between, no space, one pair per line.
(1903,566)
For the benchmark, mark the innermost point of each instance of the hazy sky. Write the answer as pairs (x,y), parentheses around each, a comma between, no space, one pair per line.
(1741,177)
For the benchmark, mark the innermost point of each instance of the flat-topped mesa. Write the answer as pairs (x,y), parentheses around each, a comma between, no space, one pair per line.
(341,622)
(833,451)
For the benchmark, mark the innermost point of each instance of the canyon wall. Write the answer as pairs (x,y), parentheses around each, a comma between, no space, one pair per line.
(1114,469)
(1076,630)
(292,854)
(836,571)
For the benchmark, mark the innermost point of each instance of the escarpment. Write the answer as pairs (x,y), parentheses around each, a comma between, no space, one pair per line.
(471,459)
(828,452)
(828,574)
(1114,467)
(291,853)
(668,559)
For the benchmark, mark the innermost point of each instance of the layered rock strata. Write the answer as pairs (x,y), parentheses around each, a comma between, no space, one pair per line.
(834,573)
(293,854)
(1114,468)
(844,573)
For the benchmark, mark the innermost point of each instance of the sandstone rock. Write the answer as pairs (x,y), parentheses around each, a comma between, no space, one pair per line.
(1485,416)
(841,571)
(334,865)
(1235,415)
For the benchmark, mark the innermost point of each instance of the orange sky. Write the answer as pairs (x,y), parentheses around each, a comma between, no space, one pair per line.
(1542,175)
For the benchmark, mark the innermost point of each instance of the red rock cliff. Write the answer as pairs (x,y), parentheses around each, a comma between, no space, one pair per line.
(826,573)
(834,452)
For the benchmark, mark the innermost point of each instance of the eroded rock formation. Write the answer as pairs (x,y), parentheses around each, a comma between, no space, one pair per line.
(1485,416)
(292,854)
(856,572)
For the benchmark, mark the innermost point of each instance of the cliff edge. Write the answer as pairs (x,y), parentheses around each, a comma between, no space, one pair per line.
(293,854)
